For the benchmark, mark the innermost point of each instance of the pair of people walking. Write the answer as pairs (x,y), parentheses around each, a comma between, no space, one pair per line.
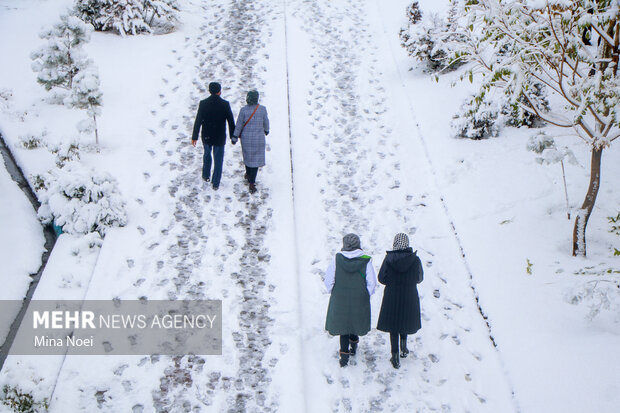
(251,128)
(351,280)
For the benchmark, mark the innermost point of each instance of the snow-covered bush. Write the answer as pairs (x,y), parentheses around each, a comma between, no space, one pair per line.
(484,114)
(127,16)
(599,295)
(31,141)
(513,113)
(433,40)
(85,94)
(477,119)
(66,153)
(20,401)
(61,59)
(81,201)
(545,146)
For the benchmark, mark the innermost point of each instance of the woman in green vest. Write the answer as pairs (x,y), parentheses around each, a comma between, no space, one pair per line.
(351,280)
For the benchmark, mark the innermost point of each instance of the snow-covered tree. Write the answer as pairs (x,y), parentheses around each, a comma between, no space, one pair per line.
(85,94)
(81,200)
(126,16)
(433,40)
(516,43)
(61,59)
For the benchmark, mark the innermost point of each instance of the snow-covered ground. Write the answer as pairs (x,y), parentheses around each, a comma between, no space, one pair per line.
(359,143)
(21,246)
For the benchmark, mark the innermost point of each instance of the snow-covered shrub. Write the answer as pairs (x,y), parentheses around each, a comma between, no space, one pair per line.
(599,295)
(514,114)
(433,40)
(545,146)
(31,141)
(81,201)
(126,16)
(484,114)
(20,401)
(85,94)
(37,182)
(477,118)
(414,14)
(66,152)
(60,60)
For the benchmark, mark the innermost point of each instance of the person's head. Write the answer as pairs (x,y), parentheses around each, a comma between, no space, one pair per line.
(252,97)
(401,242)
(215,88)
(351,242)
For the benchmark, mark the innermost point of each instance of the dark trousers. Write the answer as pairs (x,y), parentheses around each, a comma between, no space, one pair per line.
(345,339)
(218,158)
(251,173)
(394,341)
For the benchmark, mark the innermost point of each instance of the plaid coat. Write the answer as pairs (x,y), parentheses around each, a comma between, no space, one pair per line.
(253,135)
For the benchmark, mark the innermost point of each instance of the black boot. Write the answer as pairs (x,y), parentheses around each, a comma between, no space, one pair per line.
(395,361)
(353,349)
(344,359)
(404,351)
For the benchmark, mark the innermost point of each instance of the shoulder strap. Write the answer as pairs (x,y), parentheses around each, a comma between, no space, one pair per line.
(249,119)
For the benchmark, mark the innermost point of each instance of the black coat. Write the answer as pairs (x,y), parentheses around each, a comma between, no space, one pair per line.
(400,272)
(213,113)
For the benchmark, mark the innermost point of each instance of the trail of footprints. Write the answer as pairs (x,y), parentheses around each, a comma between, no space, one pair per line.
(228,48)
(344,122)
(221,54)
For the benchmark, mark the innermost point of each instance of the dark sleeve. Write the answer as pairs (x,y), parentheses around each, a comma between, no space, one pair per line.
(420,271)
(197,123)
(383,273)
(231,120)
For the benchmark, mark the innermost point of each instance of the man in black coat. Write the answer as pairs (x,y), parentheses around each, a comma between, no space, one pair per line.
(213,113)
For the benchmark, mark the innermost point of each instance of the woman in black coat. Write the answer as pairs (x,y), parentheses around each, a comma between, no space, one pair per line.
(400,272)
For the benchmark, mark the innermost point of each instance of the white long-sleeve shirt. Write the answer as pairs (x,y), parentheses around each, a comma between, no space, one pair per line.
(371,276)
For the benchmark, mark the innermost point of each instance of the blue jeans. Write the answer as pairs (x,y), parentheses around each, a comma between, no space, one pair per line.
(218,156)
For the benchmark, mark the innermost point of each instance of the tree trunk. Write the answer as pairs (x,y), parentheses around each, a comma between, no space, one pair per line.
(582,216)
(97,133)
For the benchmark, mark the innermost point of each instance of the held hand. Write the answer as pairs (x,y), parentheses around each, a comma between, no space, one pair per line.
(194,143)
(233,140)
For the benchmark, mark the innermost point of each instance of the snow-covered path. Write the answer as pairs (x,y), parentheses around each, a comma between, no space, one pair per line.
(364,171)
(351,160)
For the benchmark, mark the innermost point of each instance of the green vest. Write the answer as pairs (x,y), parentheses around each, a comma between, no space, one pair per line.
(349,304)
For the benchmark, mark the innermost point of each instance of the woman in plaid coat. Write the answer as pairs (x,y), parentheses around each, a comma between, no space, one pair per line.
(252,126)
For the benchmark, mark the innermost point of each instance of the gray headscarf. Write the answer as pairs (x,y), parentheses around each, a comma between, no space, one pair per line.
(252,98)
(351,242)
(401,242)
